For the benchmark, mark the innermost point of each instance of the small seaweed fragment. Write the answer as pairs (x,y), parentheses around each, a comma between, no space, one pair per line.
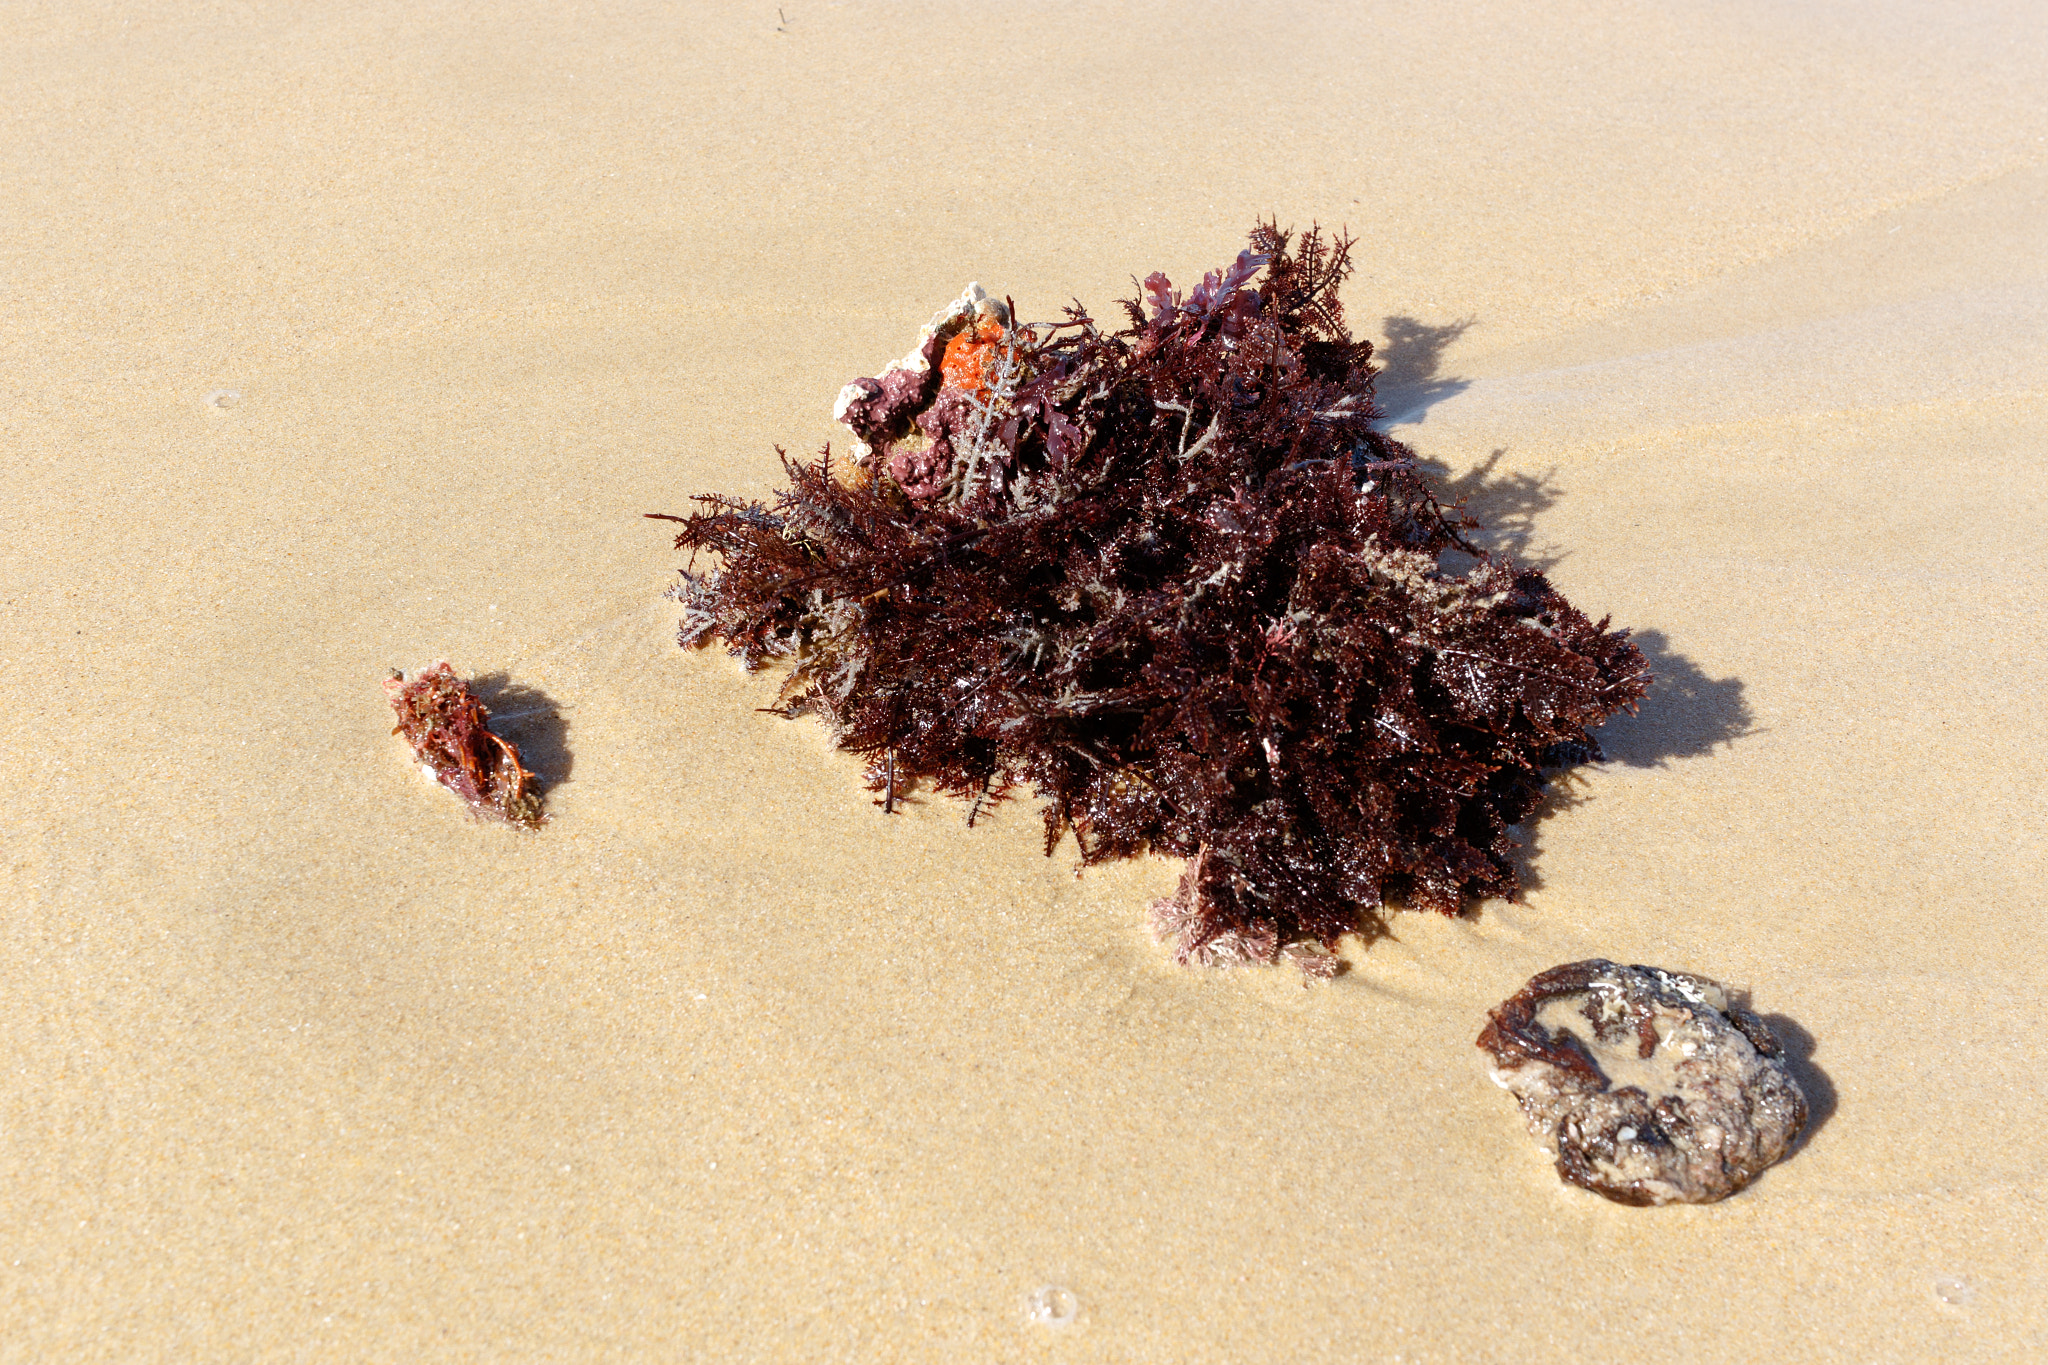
(450,734)
(1171,579)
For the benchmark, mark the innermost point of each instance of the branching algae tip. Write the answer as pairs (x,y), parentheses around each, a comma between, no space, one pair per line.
(1172,580)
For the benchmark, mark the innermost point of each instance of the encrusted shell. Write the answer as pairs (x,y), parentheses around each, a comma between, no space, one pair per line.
(1649,1086)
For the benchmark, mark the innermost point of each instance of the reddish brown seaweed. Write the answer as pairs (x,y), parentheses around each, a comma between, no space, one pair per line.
(450,734)
(1174,581)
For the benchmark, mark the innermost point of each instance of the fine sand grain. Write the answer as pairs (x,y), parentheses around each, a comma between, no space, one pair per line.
(342,338)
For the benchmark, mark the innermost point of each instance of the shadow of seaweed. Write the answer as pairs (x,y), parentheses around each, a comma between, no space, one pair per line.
(1505,506)
(1564,789)
(1411,378)
(1686,714)
(533,720)
(1813,1082)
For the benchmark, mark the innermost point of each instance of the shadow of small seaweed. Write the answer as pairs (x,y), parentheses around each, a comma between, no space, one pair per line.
(1818,1088)
(1686,714)
(1411,378)
(533,721)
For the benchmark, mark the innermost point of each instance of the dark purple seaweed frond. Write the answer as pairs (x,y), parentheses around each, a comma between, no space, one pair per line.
(1173,581)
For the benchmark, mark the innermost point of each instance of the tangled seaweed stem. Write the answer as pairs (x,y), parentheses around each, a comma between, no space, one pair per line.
(1172,580)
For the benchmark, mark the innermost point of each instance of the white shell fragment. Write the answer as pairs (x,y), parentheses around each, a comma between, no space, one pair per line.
(1648,1086)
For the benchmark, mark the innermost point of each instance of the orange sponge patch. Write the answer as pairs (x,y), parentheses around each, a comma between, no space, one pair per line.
(970,353)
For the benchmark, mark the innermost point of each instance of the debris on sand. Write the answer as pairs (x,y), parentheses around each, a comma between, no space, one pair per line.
(1649,1086)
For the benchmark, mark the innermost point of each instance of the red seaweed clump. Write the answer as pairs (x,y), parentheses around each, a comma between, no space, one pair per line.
(1172,580)
(450,734)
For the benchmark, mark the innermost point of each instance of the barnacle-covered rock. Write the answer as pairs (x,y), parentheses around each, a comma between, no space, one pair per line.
(880,410)
(1649,1086)
(933,419)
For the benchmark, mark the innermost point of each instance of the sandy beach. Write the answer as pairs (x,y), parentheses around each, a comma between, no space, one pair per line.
(337,339)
